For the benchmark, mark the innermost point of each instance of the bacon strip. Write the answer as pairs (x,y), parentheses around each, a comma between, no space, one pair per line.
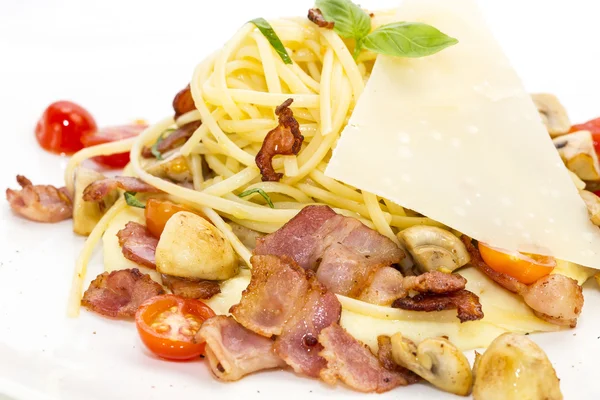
(174,139)
(273,295)
(344,251)
(191,289)
(96,191)
(554,298)
(120,293)
(183,102)
(285,139)
(464,302)
(41,203)
(316,16)
(138,244)
(234,351)
(353,363)
(298,345)
(434,282)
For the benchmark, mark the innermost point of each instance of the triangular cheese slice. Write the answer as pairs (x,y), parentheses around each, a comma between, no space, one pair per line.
(456,137)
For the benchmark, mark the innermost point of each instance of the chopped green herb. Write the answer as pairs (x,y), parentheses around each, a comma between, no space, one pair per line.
(154,148)
(407,39)
(259,191)
(132,201)
(267,30)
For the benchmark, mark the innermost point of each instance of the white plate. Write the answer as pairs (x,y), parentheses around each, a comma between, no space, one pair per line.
(126,60)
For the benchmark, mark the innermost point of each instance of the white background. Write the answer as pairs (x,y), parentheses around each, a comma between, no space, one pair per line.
(124,60)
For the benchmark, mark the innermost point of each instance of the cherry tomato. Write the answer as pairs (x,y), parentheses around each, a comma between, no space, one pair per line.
(112,134)
(62,125)
(594,127)
(168,324)
(158,212)
(526,268)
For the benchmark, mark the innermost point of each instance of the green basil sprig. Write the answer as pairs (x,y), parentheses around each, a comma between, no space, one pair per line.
(132,201)
(267,30)
(408,39)
(259,191)
(399,39)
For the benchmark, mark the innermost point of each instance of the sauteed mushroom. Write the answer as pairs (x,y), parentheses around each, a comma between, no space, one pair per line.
(86,214)
(593,205)
(172,166)
(514,368)
(433,248)
(436,360)
(553,113)
(577,151)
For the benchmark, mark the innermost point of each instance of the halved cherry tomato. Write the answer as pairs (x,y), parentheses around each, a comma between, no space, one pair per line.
(112,134)
(168,324)
(526,268)
(62,125)
(158,212)
(594,127)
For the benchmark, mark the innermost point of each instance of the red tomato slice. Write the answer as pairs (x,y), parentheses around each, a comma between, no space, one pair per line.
(594,127)
(168,324)
(62,125)
(112,134)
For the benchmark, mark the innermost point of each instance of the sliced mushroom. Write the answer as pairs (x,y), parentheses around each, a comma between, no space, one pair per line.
(436,360)
(593,205)
(553,114)
(172,166)
(86,214)
(514,368)
(579,184)
(577,151)
(434,249)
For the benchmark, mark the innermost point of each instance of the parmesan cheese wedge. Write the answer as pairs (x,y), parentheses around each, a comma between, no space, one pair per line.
(456,137)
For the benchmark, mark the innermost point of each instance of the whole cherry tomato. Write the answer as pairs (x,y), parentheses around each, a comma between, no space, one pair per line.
(62,125)
(112,134)
(168,324)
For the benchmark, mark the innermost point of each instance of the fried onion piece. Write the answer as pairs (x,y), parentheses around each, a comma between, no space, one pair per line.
(41,203)
(466,304)
(316,16)
(183,102)
(285,139)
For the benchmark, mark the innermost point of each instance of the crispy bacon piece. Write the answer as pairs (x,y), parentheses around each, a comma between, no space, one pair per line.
(285,139)
(315,15)
(386,286)
(138,244)
(273,296)
(174,139)
(554,298)
(298,345)
(353,363)
(464,302)
(234,351)
(384,354)
(434,282)
(191,289)
(120,293)
(96,191)
(345,251)
(183,102)
(41,203)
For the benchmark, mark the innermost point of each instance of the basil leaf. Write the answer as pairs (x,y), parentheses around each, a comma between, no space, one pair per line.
(131,200)
(350,21)
(259,191)
(267,30)
(154,148)
(407,39)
